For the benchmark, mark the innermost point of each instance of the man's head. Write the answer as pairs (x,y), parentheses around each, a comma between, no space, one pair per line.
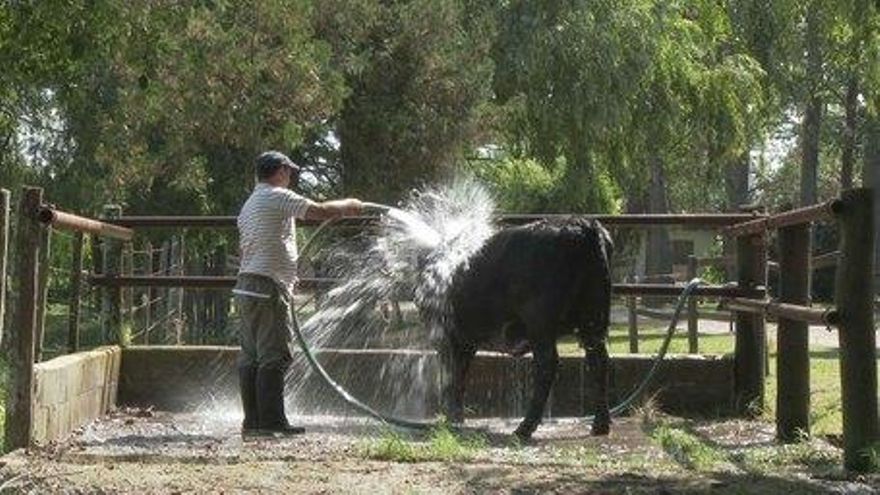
(276,168)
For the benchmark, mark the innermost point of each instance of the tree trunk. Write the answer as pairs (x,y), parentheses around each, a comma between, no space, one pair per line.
(871,178)
(847,160)
(736,183)
(658,259)
(813,111)
(580,187)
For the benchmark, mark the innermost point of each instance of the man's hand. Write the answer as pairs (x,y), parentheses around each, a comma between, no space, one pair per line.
(353,207)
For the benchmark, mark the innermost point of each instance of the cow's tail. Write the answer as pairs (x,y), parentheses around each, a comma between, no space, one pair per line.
(606,249)
(594,281)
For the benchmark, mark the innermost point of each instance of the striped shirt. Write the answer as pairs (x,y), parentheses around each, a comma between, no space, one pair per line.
(267,233)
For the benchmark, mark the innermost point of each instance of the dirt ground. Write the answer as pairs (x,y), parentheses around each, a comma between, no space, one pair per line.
(145,452)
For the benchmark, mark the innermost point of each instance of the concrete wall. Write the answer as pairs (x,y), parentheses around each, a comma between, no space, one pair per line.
(191,378)
(73,390)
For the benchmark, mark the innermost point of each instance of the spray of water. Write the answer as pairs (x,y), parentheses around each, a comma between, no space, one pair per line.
(390,276)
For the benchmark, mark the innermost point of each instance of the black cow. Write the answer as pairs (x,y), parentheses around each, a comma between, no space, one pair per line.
(525,287)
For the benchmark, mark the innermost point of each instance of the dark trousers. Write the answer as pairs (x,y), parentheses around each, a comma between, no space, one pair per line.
(265,323)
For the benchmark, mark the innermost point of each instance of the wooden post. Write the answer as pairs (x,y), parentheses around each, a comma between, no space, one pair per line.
(175,295)
(751,261)
(45,267)
(148,292)
(4,257)
(221,298)
(858,353)
(96,247)
(127,294)
(633,319)
(693,324)
(20,392)
(76,283)
(164,305)
(190,306)
(112,297)
(792,337)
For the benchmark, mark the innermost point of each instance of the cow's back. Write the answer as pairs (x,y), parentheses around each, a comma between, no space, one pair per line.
(550,275)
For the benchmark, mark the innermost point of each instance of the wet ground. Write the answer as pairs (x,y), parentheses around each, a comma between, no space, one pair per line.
(140,451)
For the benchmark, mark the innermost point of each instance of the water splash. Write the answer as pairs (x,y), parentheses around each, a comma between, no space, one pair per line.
(390,275)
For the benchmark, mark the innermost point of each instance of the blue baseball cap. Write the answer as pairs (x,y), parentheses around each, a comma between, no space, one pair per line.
(269,162)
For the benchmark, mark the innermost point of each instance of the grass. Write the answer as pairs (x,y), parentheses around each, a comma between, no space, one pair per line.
(686,448)
(605,461)
(650,339)
(698,452)
(442,445)
(767,460)
(825,397)
(825,409)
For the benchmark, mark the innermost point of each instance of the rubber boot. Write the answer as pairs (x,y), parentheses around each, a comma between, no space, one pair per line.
(247,385)
(270,403)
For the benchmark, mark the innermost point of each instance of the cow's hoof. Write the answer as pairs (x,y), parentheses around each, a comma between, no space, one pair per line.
(524,435)
(455,419)
(600,429)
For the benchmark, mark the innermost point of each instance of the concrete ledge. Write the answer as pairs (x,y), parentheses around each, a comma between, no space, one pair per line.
(73,390)
(186,378)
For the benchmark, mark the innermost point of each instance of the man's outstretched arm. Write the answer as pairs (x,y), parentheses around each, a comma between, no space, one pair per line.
(334,209)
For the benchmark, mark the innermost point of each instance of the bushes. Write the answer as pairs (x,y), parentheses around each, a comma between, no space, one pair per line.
(518,185)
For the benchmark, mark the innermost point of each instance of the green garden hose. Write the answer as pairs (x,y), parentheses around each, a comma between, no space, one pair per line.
(415,424)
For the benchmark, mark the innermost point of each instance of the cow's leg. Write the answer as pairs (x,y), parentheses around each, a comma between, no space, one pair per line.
(598,364)
(544,363)
(455,361)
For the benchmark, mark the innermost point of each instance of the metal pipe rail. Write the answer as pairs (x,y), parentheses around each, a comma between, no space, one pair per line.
(821,211)
(699,219)
(225,282)
(226,222)
(828,317)
(702,219)
(192,281)
(818,262)
(674,290)
(68,221)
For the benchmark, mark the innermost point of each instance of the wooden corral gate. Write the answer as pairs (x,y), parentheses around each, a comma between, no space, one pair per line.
(748,297)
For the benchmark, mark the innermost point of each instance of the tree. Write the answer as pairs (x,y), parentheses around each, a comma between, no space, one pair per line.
(418,76)
(204,88)
(571,69)
(691,119)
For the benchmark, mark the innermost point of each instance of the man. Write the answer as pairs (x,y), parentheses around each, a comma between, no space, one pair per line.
(263,292)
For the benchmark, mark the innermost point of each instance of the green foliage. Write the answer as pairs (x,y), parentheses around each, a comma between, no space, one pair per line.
(650,338)
(391,446)
(603,460)
(771,459)
(569,71)
(443,444)
(418,82)
(872,453)
(686,448)
(205,88)
(518,185)
(611,105)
